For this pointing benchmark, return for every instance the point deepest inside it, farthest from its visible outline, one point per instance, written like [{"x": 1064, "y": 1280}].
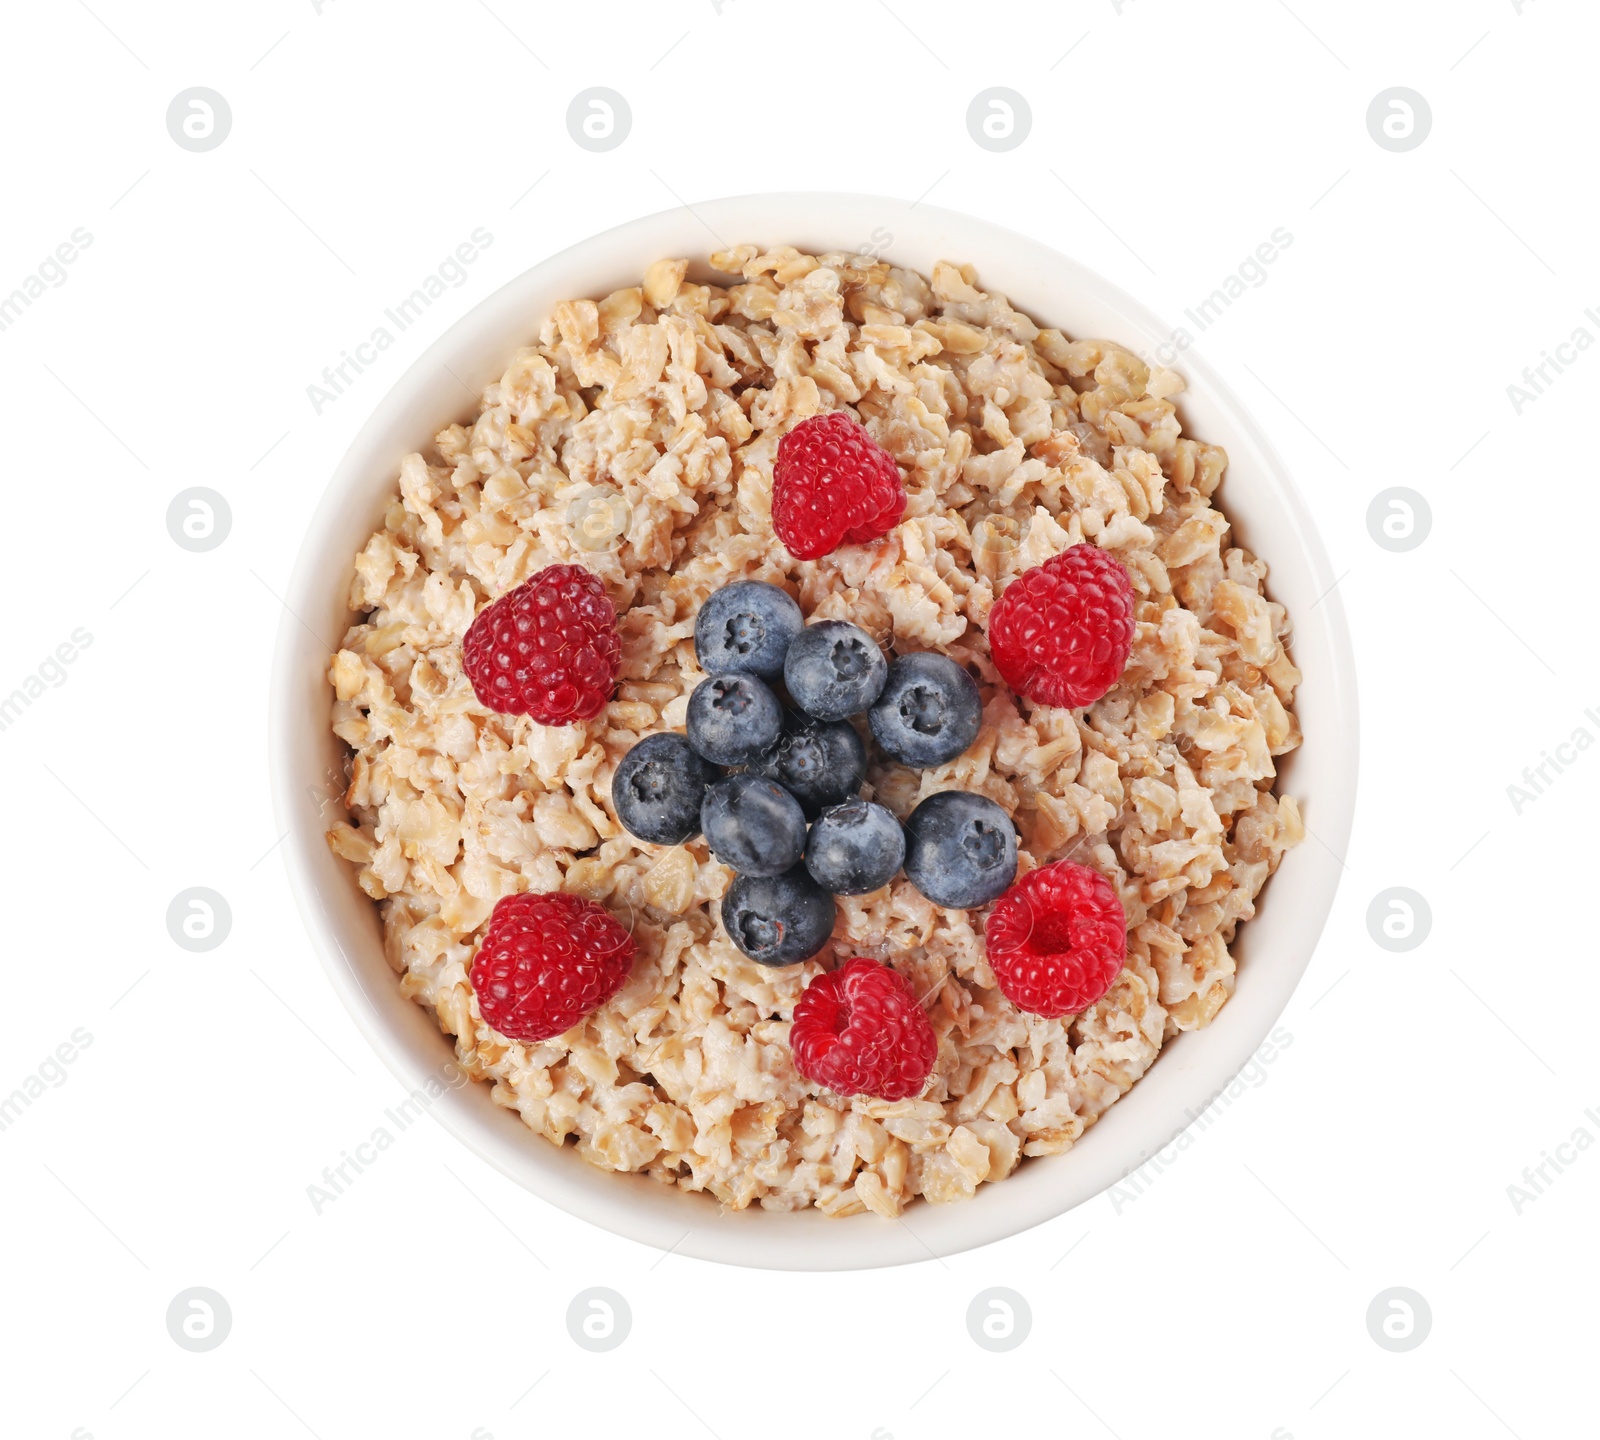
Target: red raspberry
[
  {"x": 833, "y": 485},
  {"x": 548, "y": 649},
  {"x": 859, "y": 1030},
  {"x": 1057, "y": 939},
  {"x": 1061, "y": 632},
  {"x": 546, "y": 962}
]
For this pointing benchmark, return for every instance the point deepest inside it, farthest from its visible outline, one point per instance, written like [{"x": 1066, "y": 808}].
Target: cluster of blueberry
[{"x": 807, "y": 764}]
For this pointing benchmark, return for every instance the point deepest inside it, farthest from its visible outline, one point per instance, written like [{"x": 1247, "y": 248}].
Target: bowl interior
[{"x": 1273, "y": 949}]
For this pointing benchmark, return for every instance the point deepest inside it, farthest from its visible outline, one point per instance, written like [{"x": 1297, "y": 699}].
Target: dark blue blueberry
[
  {"x": 733, "y": 718},
  {"x": 746, "y": 626},
  {"x": 778, "y": 920},
  {"x": 819, "y": 762},
  {"x": 929, "y": 711},
  {"x": 658, "y": 788},
  {"x": 753, "y": 824},
  {"x": 834, "y": 669},
  {"x": 855, "y": 848},
  {"x": 961, "y": 849}
]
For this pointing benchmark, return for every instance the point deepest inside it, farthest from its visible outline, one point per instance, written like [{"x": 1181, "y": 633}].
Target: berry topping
[
  {"x": 819, "y": 762},
  {"x": 961, "y": 849},
  {"x": 546, "y": 962},
  {"x": 929, "y": 711},
  {"x": 833, "y": 485},
  {"x": 746, "y": 626},
  {"x": 855, "y": 848},
  {"x": 754, "y": 825},
  {"x": 859, "y": 1030},
  {"x": 777, "y": 920},
  {"x": 658, "y": 788},
  {"x": 1061, "y": 632},
  {"x": 733, "y": 718},
  {"x": 834, "y": 669},
  {"x": 548, "y": 649},
  {"x": 1057, "y": 939}
]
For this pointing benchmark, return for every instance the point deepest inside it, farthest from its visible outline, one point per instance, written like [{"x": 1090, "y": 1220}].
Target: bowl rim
[{"x": 711, "y": 1233}]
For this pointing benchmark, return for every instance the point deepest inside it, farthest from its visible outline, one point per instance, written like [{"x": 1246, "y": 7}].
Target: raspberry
[
  {"x": 546, "y": 962},
  {"x": 1057, "y": 939},
  {"x": 833, "y": 485},
  {"x": 859, "y": 1030},
  {"x": 1061, "y": 632},
  {"x": 548, "y": 649}
]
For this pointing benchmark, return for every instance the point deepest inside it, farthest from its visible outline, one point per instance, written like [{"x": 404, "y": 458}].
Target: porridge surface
[{"x": 637, "y": 438}]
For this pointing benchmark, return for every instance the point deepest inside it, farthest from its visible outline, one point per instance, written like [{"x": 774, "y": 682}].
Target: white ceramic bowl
[{"x": 1273, "y": 950}]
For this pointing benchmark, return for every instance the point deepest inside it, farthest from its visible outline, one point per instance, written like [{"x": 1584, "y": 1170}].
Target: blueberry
[
  {"x": 778, "y": 920},
  {"x": 929, "y": 711},
  {"x": 746, "y": 626},
  {"x": 961, "y": 849},
  {"x": 658, "y": 788},
  {"x": 733, "y": 718},
  {"x": 753, "y": 824},
  {"x": 834, "y": 669},
  {"x": 819, "y": 762},
  {"x": 855, "y": 848}
]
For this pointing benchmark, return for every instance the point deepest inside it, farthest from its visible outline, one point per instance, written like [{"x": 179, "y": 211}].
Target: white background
[{"x": 1168, "y": 141}]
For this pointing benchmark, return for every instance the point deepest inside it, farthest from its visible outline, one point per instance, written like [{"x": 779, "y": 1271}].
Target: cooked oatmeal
[{"x": 637, "y": 438}]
